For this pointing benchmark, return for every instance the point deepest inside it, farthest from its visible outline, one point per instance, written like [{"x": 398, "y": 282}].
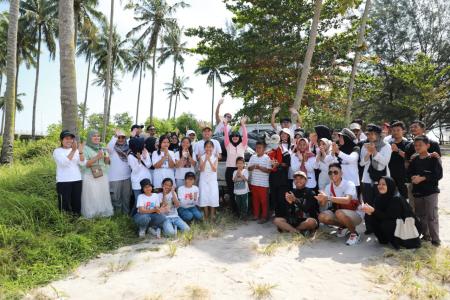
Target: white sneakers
[
  {"x": 342, "y": 232},
  {"x": 141, "y": 232},
  {"x": 155, "y": 232},
  {"x": 353, "y": 239}
]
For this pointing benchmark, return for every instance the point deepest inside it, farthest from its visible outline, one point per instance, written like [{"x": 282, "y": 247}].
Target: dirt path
[{"x": 227, "y": 267}]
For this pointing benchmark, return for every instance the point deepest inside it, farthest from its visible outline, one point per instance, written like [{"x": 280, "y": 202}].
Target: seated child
[
  {"x": 188, "y": 197},
  {"x": 173, "y": 221}
]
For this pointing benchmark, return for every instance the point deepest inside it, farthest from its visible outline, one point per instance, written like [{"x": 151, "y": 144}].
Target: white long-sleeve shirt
[
  {"x": 67, "y": 170},
  {"x": 118, "y": 169},
  {"x": 350, "y": 166},
  {"x": 309, "y": 165},
  {"x": 139, "y": 171},
  {"x": 383, "y": 157}
]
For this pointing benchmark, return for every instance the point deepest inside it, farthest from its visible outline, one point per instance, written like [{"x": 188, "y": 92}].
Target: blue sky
[{"x": 200, "y": 13}]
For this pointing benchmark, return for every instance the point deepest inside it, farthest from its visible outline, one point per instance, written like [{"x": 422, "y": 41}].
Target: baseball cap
[
  {"x": 120, "y": 133},
  {"x": 285, "y": 120},
  {"x": 374, "y": 128},
  {"x": 300, "y": 173},
  {"x": 206, "y": 128},
  {"x": 285, "y": 130},
  {"x": 355, "y": 126},
  {"x": 136, "y": 126},
  {"x": 65, "y": 133},
  {"x": 189, "y": 132}
]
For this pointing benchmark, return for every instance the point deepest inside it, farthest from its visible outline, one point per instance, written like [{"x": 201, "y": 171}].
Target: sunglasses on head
[{"x": 335, "y": 172}]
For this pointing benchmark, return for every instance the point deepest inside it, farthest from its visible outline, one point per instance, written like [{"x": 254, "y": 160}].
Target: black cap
[
  {"x": 286, "y": 120},
  {"x": 374, "y": 128},
  {"x": 65, "y": 133},
  {"x": 136, "y": 126}
]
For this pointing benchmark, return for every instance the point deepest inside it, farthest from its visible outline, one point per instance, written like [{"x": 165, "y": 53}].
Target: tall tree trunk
[
  {"x": 86, "y": 90},
  {"x": 301, "y": 83},
  {"x": 10, "y": 100},
  {"x": 3, "y": 108},
  {"x": 67, "y": 72},
  {"x": 153, "y": 82},
  {"x": 108, "y": 72},
  {"x": 175, "y": 106},
  {"x": 139, "y": 94},
  {"x": 212, "y": 103},
  {"x": 173, "y": 83},
  {"x": 110, "y": 95},
  {"x": 359, "y": 48},
  {"x": 36, "y": 84}
]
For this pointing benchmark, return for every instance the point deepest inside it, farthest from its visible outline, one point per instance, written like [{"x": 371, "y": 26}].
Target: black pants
[
  {"x": 368, "y": 192},
  {"x": 383, "y": 230},
  {"x": 69, "y": 196},
  {"x": 400, "y": 182},
  {"x": 278, "y": 200},
  {"x": 230, "y": 187}
]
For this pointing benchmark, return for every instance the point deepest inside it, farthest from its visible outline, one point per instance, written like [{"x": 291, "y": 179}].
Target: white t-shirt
[
  {"x": 382, "y": 158},
  {"x": 172, "y": 209},
  {"x": 219, "y": 128},
  {"x": 241, "y": 186},
  {"x": 118, "y": 169},
  {"x": 159, "y": 174},
  {"x": 187, "y": 167},
  {"x": 188, "y": 197},
  {"x": 139, "y": 170},
  {"x": 344, "y": 189},
  {"x": 199, "y": 149},
  {"x": 67, "y": 170},
  {"x": 260, "y": 178},
  {"x": 149, "y": 202},
  {"x": 309, "y": 165}
]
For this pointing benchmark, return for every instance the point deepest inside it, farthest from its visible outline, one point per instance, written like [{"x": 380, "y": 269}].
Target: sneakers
[
  {"x": 141, "y": 232},
  {"x": 342, "y": 232},
  {"x": 353, "y": 239},
  {"x": 155, "y": 232}
]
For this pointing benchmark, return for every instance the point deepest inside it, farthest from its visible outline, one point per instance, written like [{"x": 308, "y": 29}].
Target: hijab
[
  {"x": 307, "y": 154},
  {"x": 382, "y": 201},
  {"x": 349, "y": 145},
  {"x": 122, "y": 150},
  {"x": 327, "y": 143},
  {"x": 90, "y": 143},
  {"x": 235, "y": 133}
]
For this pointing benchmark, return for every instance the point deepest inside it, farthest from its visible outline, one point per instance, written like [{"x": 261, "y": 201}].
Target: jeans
[
  {"x": 149, "y": 220},
  {"x": 242, "y": 204},
  {"x": 189, "y": 214},
  {"x": 171, "y": 224}
]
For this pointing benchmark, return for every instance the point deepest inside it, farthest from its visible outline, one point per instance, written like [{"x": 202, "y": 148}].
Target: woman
[
  {"x": 140, "y": 162},
  {"x": 347, "y": 154},
  {"x": 68, "y": 158},
  {"x": 387, "y": 208},
  {"x": 235, "y": 148},
  {"x": 164, "y": 162},
  {"x": 323, "y": 161},
  {"x": 95, "y": 198},
  {"x": 304, "y": 160},
  {"x": 174, "y": 142},
  {"x": 185, "y": 161},
  {"x": 119, "y": 173}
]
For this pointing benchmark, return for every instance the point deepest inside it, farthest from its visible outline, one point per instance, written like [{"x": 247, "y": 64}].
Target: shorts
[{"x": 353, "y": 215}]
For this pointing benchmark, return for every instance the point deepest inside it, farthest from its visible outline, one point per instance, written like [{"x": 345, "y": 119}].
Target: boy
[
  {"x": 188, "y": 197},
  {"x": 260, "y": 167},
  {"x": 425, "y": 171},
  {"x": 240, "y": 179}
]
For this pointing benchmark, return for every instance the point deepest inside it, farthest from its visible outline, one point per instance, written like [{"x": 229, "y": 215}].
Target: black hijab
[
  {"x": 136, "y": 145},
  {"x": 349, "y": 145},
  {"x": 382, "y": 201},
  {"x": 235, "y": 133}
]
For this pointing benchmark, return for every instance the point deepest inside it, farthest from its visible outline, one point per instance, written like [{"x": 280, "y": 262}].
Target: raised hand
[
  {"x": 276, "y": 110},
  {"x": 244, "y": 120},
  {"x": 221, "y": 101},
  {"x": 74, "y": 145}
]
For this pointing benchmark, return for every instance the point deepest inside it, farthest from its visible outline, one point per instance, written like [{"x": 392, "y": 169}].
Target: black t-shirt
[
  {"x": 397, "y": 162},
  {"x": 430, "y": 168},
  {"x": 305, "y": 206},
  {"x": 281, "y": 176},
  {"x": 434, "y": 147}
]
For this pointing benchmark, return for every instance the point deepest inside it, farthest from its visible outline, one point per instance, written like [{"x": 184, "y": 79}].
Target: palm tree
[
  {"x": 19, "y": 102},
  {"x": 173, "y": 47},
  {"x": 301, "y": 82},
  {"x": 213, "y": 73},
  {"x": 68, "y": 79},
  {"x": 10, "y": 96},
  {"x": 3, "y": 44},
  {"x": 41, "y": 16},
  {"x": 26, "y": 48},
  {"x": 107, "y": 104},
  {"x": 155, "y": 17},
  {"x": 87, "y": 45},
  {"x": 178, "y": 89},
  {"x": 86, "y": 15},
  {"x": 138, "y": 64}
]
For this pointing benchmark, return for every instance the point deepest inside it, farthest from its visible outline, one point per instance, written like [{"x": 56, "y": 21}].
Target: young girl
[
  {"x": 164, "y": 162},
  {"x": 240, "y": 179},
  {"x": 188, "y": 195},
  {"x": 149, "y": 210},
  {"x": 185, "y": 161},
  {"x": 139, "y": 162},
  {"x": 209, "y": 187},
  {"x": 304, "y": 160},
  {"x": 173, "y": 221},
  {"x": 323, "y": 159}
]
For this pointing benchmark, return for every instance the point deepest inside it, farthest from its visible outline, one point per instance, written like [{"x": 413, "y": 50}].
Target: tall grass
[{"x": 39, "y": 244}]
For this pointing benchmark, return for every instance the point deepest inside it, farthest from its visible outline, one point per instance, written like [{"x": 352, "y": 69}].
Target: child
[
  {"x": 185, "y": 161},
  {"x": 173, "y": 221},
  {"x": 149, "y": 210},
  {"x": 209, "y": 187},
  {"x": 240, "y": 179},
  {"x": 425, "y": 171},
  {"x": 164, "y": 162},
  {"x": 260, "y": 167},
  {"x": 188, "y": 196}
]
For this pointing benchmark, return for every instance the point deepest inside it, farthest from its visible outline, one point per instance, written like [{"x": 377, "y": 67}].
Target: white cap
[
  {"x": 354, "y": 126},
  {"x": 286, "y": 130},
  {"x": 189, "y": 132}
]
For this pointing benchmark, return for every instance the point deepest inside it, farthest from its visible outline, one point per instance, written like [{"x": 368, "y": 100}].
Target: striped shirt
[{"x": 258, "y": 177}]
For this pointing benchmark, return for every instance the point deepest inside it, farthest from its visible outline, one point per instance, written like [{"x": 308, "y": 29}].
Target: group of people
[{"x": 299, "y": 180}]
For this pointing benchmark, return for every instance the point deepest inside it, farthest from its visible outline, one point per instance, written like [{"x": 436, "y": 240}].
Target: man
[
  {"x": 343, "y": 208},
  {"x": 286, "y": 122},
  {"x": 219, "y": 122},
  {"x": 356, "y": 129},
  {"x": 301, "y": 211},
  {"x": 136, "y": 130},
  {"x": 200, "y": 145},
  {"x": 151, "y": 130},
  {"x": 151, "y": 140},
  {"x": 397, "y": 164},
  {"x": 360, "y": 122}
]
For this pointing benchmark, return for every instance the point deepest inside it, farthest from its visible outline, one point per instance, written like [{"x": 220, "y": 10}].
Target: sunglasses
[
  {"x": 333, "y": 173},
  {"x": 121, "y": 137}
]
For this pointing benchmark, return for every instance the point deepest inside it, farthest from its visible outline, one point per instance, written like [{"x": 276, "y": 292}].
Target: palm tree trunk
[
  {"x": 301, "y": 83},
  {"x": 110, "y": 95},
  {"x": 139, "y": 94},
  {"x": 108, "y": 73},
  {"x": 153, "y": 82},
  {"x": 36, "y": 84},
  {"x": 10, "y": 100},
  {"x": 68, "y": 78},
  {"x": 359, "y": 46},
  {"x": 86, "y": 91},
  {"x": 175, "y": 106},
  {"x": 3, "y": 110},
  {"x": 212, "y": 103},
  {"x": 173, "y": 84}
]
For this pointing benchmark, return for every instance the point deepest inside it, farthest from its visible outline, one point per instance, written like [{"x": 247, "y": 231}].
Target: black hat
[
  {"x": 323, "y": 132},
  {"x": 65, "y": 133},
  {"x": 136, "y": 126},
  {"x": 374, "y": 128},
  {"x": 348, "y": 133},
  {"x": 144, "y": 182},
  {"x": 286, "y": 119}
]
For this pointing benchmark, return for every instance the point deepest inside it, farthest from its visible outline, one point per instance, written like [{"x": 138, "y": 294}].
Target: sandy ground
[{"x": 226, "y": 267}]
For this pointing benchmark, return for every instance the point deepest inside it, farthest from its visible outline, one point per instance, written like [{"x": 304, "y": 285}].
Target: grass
[
  {"x": 262, "y": 290},
  {"x": 172, "y": 249},
  {"x": 194, "y": 292},
  {"x": 283, "y": 240},
  {"x": 116, "y": 267},
  {"x": 38, "y": 244},
  {"x": 417, "y": 274}
]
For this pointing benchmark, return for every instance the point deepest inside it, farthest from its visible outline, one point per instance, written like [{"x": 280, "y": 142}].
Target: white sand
[{"x": 225, "y": 267}]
